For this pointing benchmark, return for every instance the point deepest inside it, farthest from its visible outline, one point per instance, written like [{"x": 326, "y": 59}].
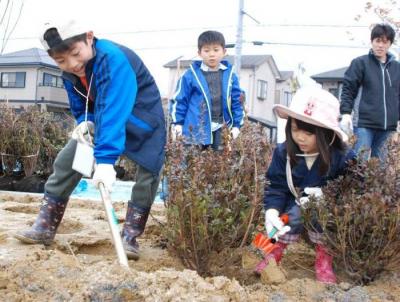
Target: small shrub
[
  {"x": 31, "y": 138},
  {"x": 20, "y": 139},
  {"x": 360, "y": 216},
  {"x": 55, "y": 130},
  {"x": 214, "y": 197}
]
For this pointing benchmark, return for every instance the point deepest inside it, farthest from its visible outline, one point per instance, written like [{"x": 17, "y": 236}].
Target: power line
[
  {"x": 314, "y": 25},
  {"x": 260, "y": 43},
  {"x": 256, "y": 43},
  {"x": 150, "y": 31}
]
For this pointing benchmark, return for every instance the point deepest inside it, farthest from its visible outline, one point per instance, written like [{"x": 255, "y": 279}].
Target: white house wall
[
  {"x": 34, "y": 91},
  {"x": 263, "y": 108},
  {"x": 49, "y": 93},
  {"x": 24, "y": 94}
]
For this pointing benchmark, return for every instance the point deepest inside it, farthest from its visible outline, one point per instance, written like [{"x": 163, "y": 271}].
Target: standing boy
[
  {"x": 207, "y": 96},
  {"x": 371, "y": 89},
  {"x": 111, "y": 91}
]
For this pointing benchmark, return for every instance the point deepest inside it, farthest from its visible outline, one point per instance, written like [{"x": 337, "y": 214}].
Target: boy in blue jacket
[
  {"x": 112, "y": 93},
  {"x": 207, "y": 96}
]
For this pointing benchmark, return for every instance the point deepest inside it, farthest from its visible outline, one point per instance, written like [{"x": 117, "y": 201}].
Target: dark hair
[
  {"x": 383, "y": 30},
  {"x": 324, "y": 138},
  {"x": 57, "y": 45},
  {"x": 210, "y": 37}
]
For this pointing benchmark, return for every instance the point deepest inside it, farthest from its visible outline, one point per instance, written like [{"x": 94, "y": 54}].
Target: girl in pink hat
[{"x": 313, "y": 153}]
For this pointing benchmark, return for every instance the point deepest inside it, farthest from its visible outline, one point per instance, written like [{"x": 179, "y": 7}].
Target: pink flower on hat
[{"x": 315, "y": 106}]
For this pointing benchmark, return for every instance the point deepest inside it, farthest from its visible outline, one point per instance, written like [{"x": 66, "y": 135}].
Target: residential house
[
  {"x": 31, "y": 77},
  {"x": 262, "y": 82},
  {"x": 331, "y": 80}
]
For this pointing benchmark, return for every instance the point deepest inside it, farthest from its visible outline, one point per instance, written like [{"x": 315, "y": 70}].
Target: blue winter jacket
[
  {"x": 191, "y": 104},
  {"x": 277, "y": 193},
  {"x": 127, "y": 110}
]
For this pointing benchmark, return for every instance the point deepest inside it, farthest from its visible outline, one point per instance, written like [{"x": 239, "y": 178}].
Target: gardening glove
[
  {"x": 105, "y": 174},
  {"x": 272, "y": 221},
  {"x": 235, "y": 131},
  {"x": 346, "y": 124},
  {"x": 176, "y": 131},
  {"x": 84, "y": 133},
  {"x": 314, "y": 192}
]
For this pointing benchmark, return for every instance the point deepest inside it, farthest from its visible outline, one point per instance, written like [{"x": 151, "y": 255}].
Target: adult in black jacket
[{"x": 371, "y": 90}]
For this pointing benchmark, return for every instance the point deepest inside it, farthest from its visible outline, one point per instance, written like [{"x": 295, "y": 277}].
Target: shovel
[{"x": 113, "y": 223}]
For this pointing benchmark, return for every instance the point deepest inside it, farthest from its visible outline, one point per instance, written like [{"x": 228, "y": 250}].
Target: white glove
[
  {"x": 346, "y": 124},
  {"x": 235, "y": 131},
  {"x": 398, "y": 127},
  {"x": 272, "y": 221},
  {"x": 176, "y": 131},
  {"x": 314, "y": 192},
  {"x": 84, "y": 132},
  {"x": 105, "y": 174}
]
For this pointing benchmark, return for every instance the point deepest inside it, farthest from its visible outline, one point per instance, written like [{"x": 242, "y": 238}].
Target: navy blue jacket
[
  {"x": 127, "y": 110},
  {"x": 191, "y": 104},
  {"x": 277, "y": 193},
  {"x": 372, "y": 90}
]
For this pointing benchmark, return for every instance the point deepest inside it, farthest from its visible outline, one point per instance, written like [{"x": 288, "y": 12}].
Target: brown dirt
[{"x": 81, "y": 266}]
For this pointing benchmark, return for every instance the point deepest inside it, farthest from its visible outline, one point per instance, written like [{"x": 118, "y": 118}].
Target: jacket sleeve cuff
[{"x": 103, "y": 160}]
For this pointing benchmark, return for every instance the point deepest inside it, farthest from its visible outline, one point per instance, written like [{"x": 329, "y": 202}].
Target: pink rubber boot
[
  {"x": 276, "y": 254},
  {"x": 323, "y": 265}
]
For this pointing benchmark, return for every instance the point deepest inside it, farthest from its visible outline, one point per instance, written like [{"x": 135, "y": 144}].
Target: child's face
[
  {"x": 380, "y": 47},
  {"x": 75, "y": 60},
  {"x": 306, "y": 141},
  {"x": 212, "y": 55}
]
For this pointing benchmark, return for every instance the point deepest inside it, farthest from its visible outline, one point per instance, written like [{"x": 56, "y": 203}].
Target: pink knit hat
[{"x": 315, "y": 106}]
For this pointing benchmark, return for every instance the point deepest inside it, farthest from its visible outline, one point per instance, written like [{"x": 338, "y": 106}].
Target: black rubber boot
[
  {"x": 135, "y": 223},
  {"x": 45, "y": 227}
]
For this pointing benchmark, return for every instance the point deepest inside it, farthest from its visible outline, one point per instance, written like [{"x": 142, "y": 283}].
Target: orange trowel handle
[{"x": 265, "y": 243}]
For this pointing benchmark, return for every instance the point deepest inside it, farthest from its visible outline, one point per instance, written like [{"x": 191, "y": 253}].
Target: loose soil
[{"x": 81, "y": 265}]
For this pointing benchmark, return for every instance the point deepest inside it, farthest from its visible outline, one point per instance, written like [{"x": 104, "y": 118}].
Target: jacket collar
[
  {"x": 198, "y": 63},
  {"x": 390, "y": 56}
]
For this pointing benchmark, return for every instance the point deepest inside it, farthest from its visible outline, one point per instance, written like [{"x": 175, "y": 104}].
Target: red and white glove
[{"x": 105, "y": 174}]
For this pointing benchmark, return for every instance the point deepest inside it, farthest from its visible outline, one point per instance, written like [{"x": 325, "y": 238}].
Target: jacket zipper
[
  {"x": 228, "y": 100},
  {"x": 384, "y": 95}
]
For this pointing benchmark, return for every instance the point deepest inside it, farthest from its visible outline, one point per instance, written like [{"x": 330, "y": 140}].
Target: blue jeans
[{"x": 372, "y": 140}]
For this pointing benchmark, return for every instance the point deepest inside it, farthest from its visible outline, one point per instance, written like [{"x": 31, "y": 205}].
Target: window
[
  {"x": 262, "y": 87},
  {"x": 287, "y": 98},
  {"x": 334, "y": 91},
  {"x": 49, "y": 80},
  {"x": 52, "y": 80},
  {"x": 13, "y": 79}
]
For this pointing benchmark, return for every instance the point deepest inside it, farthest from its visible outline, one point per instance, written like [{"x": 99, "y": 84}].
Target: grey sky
[{"x": 160, "y": 31}]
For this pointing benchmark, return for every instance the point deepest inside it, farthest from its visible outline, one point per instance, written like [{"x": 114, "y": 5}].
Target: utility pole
[{"x": 239, "y": 39}]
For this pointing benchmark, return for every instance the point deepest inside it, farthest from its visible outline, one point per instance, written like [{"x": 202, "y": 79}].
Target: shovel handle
[{"x": 113, "y": 223}]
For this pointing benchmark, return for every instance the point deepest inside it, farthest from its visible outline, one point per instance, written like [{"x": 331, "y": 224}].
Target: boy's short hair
[
  {"x": 62, "y": 45},
  {"x": 61, "y": 37},
  {"x": 210, "y": 37},
  {"x": 383, "y": 30}
]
